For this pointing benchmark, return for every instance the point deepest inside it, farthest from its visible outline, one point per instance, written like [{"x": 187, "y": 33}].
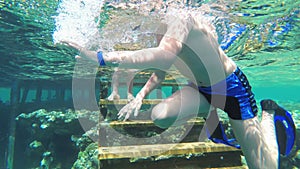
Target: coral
[
  {"x": 54, "y": 138},
  {"x": 87, "y": 158}
]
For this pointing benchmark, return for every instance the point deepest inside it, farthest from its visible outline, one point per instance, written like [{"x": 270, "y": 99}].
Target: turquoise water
[{"x": 268, "y": 50}]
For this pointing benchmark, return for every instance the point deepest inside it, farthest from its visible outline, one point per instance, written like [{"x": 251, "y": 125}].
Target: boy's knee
[
  {"x": 163, "y": 123},
  {"x": 160, "y": 116}
]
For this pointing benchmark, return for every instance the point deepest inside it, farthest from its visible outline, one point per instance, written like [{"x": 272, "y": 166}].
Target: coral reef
[
  {"x": 87, "y": 158},
  {"x": 56, "y": 139}
]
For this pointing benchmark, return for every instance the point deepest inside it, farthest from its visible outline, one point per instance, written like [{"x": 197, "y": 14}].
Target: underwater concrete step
[
  {"x": 139, "y": 123},
  {"x": 111, "y": 108},
  {"x": 190, "y": 132},
  {"x": 169, "y": 156},
  {"x": 162, "y": 150},
  {"x": 234, "y": 167},
  {"x": 125, "y": 101},
  {"x": 141, "y": 82}
]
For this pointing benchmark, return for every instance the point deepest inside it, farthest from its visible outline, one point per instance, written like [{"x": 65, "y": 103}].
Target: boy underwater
[{"x": 215, "y": 81}]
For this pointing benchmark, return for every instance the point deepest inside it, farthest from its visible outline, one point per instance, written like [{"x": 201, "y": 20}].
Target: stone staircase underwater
[{"x": 116, "y": 151}]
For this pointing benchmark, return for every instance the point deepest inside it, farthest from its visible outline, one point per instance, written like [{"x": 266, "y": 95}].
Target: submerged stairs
[
  {"x": 139, "y": 144},
  {"x": 186, "y": 154}
]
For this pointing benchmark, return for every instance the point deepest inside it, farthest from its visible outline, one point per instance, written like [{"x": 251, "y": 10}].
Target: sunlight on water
[
  {"x": 252, "y": 45},
  {"x": 77, "y": 21},
  {"x": 260, "y": 11}
]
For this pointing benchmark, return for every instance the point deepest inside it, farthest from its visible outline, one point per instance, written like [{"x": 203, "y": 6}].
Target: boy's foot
[{"x": 113, "y": 96}]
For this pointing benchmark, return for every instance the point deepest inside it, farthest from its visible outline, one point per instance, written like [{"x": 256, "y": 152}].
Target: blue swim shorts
[{"x": 233, "y": 95}]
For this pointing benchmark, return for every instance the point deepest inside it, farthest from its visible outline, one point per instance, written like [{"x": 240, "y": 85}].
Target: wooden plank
[
  {"x": 125, "y": 101},
  {"x": 223, "y": 160},
  {"x": 143, "y": 81},
  {"x": 14, "y": 102},
  {"x": 162, "y": 149},
  {"x": 147, "y": 123},
  {"x": 235, "y": 167}
]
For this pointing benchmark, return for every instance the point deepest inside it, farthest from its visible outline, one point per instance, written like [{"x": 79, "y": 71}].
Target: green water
[
  {"x": 27, "y": 50},
  {"x": 268, "y": 51}
]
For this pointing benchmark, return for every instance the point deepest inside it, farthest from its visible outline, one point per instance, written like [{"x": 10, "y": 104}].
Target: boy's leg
[
  {"x": 115, "y": 85},
  {"x": 130, "y": 76},
  {"x": 260, "y": 151},
  {"x": 183, "y": 105},
  {"x": 284, "y": 125},
  {"x": 269, "y": 131}
]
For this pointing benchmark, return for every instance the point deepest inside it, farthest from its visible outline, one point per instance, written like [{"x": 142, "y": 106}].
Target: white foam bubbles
[{"x": 77, "y": 21}]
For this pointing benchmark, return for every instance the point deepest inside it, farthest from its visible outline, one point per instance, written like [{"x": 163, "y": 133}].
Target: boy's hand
[
  {"x": 84, "y": 53},
  {"x": 133, "y": 106},
  {"x": 72, "y": 45}
]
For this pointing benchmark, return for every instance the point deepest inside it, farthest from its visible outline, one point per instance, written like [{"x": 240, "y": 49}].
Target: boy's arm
[
  {"x": 157, "y": 57},
  {"x": 156, "y": 78},
  {"x": 134, "y": 106},
  {"x": 161, "y": 57}
]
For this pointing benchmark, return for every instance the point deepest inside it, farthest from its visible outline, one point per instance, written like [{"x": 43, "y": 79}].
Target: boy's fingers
[
  {"x": 71, "y": 44},
  {"x": 77, "y": 57}
]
